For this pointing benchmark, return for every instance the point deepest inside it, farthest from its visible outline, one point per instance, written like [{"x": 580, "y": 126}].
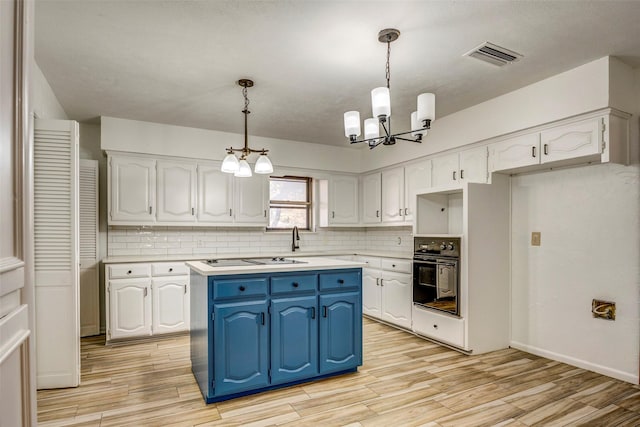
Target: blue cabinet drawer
[
  {"x": 297, "y": 283},
  {"x": 341, "y": 279},
  {"x": 240, "y": 287}
]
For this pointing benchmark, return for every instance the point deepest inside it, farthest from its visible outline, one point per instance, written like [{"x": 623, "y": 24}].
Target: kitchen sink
[
  {"x": 274, "y": 261},
  {"x": 252, "y": 261}
]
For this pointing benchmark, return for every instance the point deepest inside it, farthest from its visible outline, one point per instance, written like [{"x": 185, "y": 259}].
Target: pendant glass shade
[
  {"x": 371, "y": 128},
  {"x": 263, "y": 165},
  {"x": 230, "y": 164},
  {"x": 244, "y": 170},
  {"x": 426, "y": 107},
  {"x": 351, "y": 123},
  {"x": 381, "y": 102},
  {"x": 416, "y": 125}
]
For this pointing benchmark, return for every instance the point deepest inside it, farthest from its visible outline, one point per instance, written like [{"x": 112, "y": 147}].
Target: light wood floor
[{"x": 405, "y": 381}]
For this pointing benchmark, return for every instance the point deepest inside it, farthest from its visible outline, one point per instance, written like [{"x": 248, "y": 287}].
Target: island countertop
[{"x": 302, "y": 264}]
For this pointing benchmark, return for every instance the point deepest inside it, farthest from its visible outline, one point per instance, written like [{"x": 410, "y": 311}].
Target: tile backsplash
[{"x": 127, "y": 241}]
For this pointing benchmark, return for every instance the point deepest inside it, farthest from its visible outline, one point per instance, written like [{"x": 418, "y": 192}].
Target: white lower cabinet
[
  {"x": 146, "y": 299},
  {"x": 441, "y": 327},
  {"x": 387, "y": 290}
]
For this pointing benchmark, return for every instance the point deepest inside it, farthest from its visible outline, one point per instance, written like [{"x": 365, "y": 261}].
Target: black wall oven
[{"x": 436, "y": 271}]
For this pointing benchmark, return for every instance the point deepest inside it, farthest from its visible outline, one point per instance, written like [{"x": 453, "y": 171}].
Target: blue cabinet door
[
  {"x": 241, "y": 346},
  {"x": 294, "y": 338},
  {"x": 340, "y": 331}
]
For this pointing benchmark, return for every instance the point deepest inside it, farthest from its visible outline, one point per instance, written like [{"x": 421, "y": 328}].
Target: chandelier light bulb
[
  {"x": 244, "y": 171},
  {"x": 426, "y": 107},
  {"x": 263, "y": 165},
  {"x": 371, "y": 128},
  {"x": 230, "y": 164},
  {"x": 352, "y": 124},
  {"x": 381, "y": 102},
  {"x": 416, "y": 126}
]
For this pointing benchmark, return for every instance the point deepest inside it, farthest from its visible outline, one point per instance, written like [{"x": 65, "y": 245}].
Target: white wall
[
  {"x": 590, "y": 224},
  {"x": 45, "y": 102},
  {"x": 153, "y": 138}
]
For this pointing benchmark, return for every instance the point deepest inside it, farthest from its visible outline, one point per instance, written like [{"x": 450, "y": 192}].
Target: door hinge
[
  {"x": 213, "y": 316},
  {"x": 604, "y": 128},
  {"x": 213, "y": 384}
]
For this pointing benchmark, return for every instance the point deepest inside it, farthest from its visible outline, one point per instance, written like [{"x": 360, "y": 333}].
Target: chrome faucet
[{"x": 294, "y": 238}]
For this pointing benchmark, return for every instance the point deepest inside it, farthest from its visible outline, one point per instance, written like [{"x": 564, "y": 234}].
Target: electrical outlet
[
  {"x": 603, "y": 309},
  {"x": 535, "y": 238}
]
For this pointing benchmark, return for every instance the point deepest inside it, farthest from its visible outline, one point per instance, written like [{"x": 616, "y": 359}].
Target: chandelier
[
  {"x": 381, "y": 106},
  {"x": 240, "y": 167}
]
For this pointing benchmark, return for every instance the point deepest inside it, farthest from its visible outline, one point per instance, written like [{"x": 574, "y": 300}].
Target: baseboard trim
[{"x": 579, "y": 363}]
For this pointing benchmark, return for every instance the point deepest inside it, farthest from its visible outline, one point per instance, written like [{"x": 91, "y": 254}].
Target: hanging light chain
[
  {"x": 246, "y": 100},
  {"x": 388, "y": 67}
]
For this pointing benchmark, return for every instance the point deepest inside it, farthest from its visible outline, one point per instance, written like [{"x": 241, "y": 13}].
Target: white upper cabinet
[
  {"x": 371, "y": 198},
  {"x": 343, "y": 200},
  {"x": 570, "y": 141},
  {"x": 452, "y": 169},
  {"x": 215, "y": 195},
  {"x": 176, "y": 191},
  {"x": 515, "y": 152},
  {"x": 416, "y": 176},
  {"x": 132, "y": 189},
  {"x": 251, "y": 200},
  {"x": 393, "y": 205}
]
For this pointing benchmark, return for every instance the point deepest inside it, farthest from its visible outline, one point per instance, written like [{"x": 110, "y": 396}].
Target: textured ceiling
[{"x": 177, "y": 62}]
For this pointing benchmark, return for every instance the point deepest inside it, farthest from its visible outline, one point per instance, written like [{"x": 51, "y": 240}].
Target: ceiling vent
[{"x": 493, "y": 54}]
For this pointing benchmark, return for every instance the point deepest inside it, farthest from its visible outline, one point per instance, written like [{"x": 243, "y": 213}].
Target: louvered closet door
[
  {"x": 56, "y": 253},
  {"x": 89, "y": 274}
]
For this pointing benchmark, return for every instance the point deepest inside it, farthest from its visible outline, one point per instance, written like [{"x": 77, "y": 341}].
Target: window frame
[{"x": 307, "y": 205}]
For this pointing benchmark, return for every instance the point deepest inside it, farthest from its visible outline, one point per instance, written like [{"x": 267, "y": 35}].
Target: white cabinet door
[
  {"x": 343, "y": 200},
  {"x": 215, "y": 195},
  {"x": 133, "y": 189},
  {"x": 416, "y": 175},
  {"x": 516, "y": 152},
  {"x": 371, "y": 292},
  {"x": 393, "y": 195},
  {"x": 129, "y": 308},
  {"x": 396, "y": 298},
  {"x": 176, "y": 191},
  {"x": 473, "y": 165},
  {"x": 371, "y": 193},
  {"x": 170, "y": 304},
  {"x": 571, "y": 141},
  {"x": 445, "y": 170},
  {"x": 251, "y": 198}
]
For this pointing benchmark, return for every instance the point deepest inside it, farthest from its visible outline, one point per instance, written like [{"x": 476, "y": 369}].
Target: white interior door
[
  {"x": 56, "y": 218},
  {"x": 89, "y": 263}
]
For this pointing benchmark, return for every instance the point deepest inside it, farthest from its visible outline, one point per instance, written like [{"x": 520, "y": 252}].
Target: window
[{"x": 289, "y": 203}]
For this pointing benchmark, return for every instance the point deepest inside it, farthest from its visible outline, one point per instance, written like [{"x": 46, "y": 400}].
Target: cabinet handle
[
  {"x": 170, "y": 269},
  {"x": 242, "y": 288},
  {"x": 533, "y": 151},
  {"x": 341, "y": 281},
  {"x": 546, "y": 149},
  {"x": 193, "y": 211},
  {"x": 295, "y": 284},
  {"x": 377, "y": 281},
  {"x": 150, "y": 210},
  {"x": 393, "y": 265},
  {"x": 377, "y": 214},
  {"x": 435, "y": 326},
  {"x": 454, "y": 175},
  {"x": 461, "y": 173},
  {"x": 265, "y": 213},
  {"x": 313, "y": 312},
  {"x": 185, "y": 289},
  {"x": 400, "y": 212},
  {"x": 146, "y": 291},
  {"x": 406, "y": 212},
  {"x": 129, "y": 272},
  {"x": 333, "y": 214},
  {"x": 381, "y": 282},
  {"x": 230, "y": 212},
  {"x": 324, "y": 311},
  {"x": 262, "y": 317}
]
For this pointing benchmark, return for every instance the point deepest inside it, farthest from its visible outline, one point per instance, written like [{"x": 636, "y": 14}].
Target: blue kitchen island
[{"x": 260, "y": 327}]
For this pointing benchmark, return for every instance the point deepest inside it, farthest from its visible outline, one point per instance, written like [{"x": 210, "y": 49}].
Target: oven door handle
[{"x": 437, "y": 263}]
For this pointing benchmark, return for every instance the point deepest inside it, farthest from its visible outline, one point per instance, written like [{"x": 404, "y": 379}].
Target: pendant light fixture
[
  {"x": 240, "y": 167},
  {"x": 381, "y": 107}
]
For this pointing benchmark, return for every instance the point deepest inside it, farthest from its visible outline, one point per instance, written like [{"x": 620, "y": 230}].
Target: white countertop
[
  {"x": 197, "y": 257},
  {"x": 306, "y": 263}
]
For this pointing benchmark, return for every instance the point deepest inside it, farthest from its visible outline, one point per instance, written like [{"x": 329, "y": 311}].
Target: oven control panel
[{"x": 437, "y": 246}]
